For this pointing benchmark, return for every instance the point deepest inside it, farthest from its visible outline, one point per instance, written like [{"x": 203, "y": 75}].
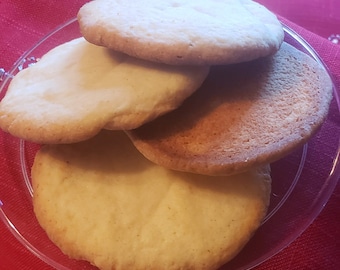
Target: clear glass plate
[{"x": 298, "y": 194}]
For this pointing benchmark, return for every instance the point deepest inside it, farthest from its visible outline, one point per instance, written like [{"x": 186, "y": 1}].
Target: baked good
[
  {"x": 102, "y": 201},
  {"x": 244, "y": 115},
  {"x": 204, "y": 32},
  {"x": 77, "y": 89}
]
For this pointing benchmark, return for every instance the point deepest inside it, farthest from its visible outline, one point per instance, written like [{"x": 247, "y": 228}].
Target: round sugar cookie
[
  {"x": 183, "y": 32},
  {"x": 102, "y": 201},
  {"x": 244, "y": 115},
  {"x": 78, "y": 88}
]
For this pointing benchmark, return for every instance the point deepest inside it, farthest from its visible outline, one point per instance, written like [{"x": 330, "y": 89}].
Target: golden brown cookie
[
  {"x": 102, "y": 201},
  {"x": 183, "y": 32},
  {"x": 77, "y": 89},
  {"x": 243, "y": 116}
]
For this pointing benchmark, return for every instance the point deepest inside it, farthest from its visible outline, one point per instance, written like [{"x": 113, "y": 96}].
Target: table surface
[{"x": 23, "y": 23}]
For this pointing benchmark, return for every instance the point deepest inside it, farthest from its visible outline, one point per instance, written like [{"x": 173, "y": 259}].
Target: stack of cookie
[{"x": 159, "y": 125}]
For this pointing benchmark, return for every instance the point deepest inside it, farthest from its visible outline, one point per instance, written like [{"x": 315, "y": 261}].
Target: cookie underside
[{"x": 243, "y": 116}]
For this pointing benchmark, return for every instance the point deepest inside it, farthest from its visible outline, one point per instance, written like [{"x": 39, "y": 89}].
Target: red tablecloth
[{"x": 23, "y": 23}]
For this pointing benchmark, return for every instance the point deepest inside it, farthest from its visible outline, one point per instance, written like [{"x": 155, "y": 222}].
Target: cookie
[
  {"x": 243, "y": 116},
  {"x": 183, "y": 32},
  {"x": 102, "y": 201},
  {"x": 77, "y": 89}
]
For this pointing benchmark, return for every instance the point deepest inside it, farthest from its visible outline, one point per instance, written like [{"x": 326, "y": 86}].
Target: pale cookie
[
  {"x": 102, "y": 201},
  {"x": 243, "y": 116},
  {"x": 77, "y": 89},
  {"x": 183, "y": 32}
]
